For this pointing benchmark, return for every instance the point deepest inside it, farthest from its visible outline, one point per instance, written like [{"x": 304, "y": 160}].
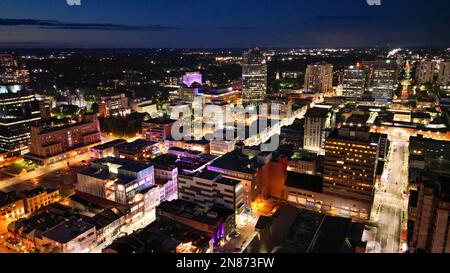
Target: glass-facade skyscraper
[{"x": 254, "y": 76}]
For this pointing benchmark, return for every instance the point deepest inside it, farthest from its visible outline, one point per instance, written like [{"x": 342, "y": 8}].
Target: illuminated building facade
[
  {"x": 227, "y": 95},
  {"x": 432, "y": 221},
  {"x": 425, "y": 71},
  {"x": 158, "y": 129},
  {"x": 106, "y": 149},
  {"x": 11, "y": 208},
  {"x": 217, "y": 222},
  {"x": 209, "y": 189},
  {"x": 71, "y": 236},
  {"x": 247, "y": 167},
  {"x": 113, "y": 105},
  {"x": 192, "y": 77},
  {"x": 319, "y": 78},
  {"x": 444, "y": 74},
  {"x": 383, "y": 78},
  {"x": 116, "y": 179},
  {"x": 351, "y": 160},
  {"x": 56, "y": 143},
  {"x": 19, "y": 109},
  {"x": 39, "y": 197},
  {"x": 139, "y": 149},
  {"x": 12, "y": 70},
  {"x": 353, "y": 82},
  {"x": 317, "y": 120},
  {"x": 254, "y": 75}
]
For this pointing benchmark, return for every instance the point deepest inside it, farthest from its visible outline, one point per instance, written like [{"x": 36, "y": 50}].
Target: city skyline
[
  {"x": 214, "y": 24},
  {"x": 250, "y": 127}
]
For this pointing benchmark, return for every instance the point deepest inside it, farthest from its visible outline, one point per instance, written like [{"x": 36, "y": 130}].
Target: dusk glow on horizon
[{"x": 214, "y": 23}]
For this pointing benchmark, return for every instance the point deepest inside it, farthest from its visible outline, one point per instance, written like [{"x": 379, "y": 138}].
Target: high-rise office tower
[
  {"x": 19, "y": 109},
  {"x": 429, "y": 210},
  {"x": 350, "y": 163},
  {"x": 444, "y": 74},
  {"x": 425, "y": 71},
  {"x": 319, "y": 78},
  {"x": 383, "y": 78},
  {"x": 317, "y": 120},
  {"x": 12, "y": 70},
  {"x": 254, "y": 75},
  {"x": 432, "y": 224},
  {"x": 353, "y": 82}
]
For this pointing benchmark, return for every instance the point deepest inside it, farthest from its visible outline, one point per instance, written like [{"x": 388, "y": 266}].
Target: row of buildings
[
  {"x": 430, "y": 71},
  {"x": 14, "y": 206}
]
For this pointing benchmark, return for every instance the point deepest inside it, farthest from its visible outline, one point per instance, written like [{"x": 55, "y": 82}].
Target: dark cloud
[
  {"x": 54, "y": 24},
  {"x": 325, "y": 18},
  {"x": 235, "y": 28}
]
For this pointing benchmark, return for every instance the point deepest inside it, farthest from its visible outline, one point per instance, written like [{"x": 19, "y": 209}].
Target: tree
[{"x": 94, "y": 108}]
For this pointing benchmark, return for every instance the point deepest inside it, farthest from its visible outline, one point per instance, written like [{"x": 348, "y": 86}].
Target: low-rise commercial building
[
  {"x": 307, "y": 191},
  {"x": 158, "y": 129},
  {"x": 56, "y": 143},
  {"x": 39, "y": 197},
  {"x": 106, "y": 149},
  {"x": 216, "y": 222},
  {"x": 11, "y": 208},
  {"x": 116, "y": 179},
  {"x": 142, "y": 150},
  {"x": 113, "y": 105},
  {"x": 208, "y": 189},
  {"x": 71, "y": 236}
]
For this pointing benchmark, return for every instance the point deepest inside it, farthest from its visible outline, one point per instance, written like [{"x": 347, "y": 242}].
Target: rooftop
[
  {"x": 294, "y": 230},
  {"x": 105, "y": 218},
  {"x": 125, "y": 164},
  {"x": 7, "y": 198},
  {"x": 317, "y": 112},
  {"x": 68, "y": 230},
  {"x": 189, "y": 210},
  {"x": 236, "y": 161},
  {"x": 110, "y": 144},
  {"x": 208, "y": 175},
  {"x": 228, "y": 181},
  {"x": 135, "y": 146},
  {"x": 37, "y": 191},
  {"x": 160, "y": 121}
]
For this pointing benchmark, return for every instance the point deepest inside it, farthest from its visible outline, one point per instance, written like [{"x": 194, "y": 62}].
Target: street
[
  {"x": 246, "y": 227},
  {"x": 14, "y": 182},
  {"x": 391, "y": 201}
]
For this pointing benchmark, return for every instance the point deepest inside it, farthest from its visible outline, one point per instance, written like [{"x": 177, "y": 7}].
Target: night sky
[{"x": 226, "y": 23}]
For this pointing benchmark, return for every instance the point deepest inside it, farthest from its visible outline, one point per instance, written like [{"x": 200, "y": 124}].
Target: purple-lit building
[
  {"x": 217, "y": 222},
  {"x": 192, "y": 77}
]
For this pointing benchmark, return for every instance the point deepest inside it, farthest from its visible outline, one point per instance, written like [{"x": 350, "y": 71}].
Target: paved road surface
[{"x": 391, "y": 201}]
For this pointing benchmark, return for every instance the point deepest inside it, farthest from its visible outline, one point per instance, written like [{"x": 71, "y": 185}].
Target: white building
[
  {"x": 72, "y": 236},
  {"x": 209, "y": 189},
  {"x": 221, "y": 147},
  {"x": 316, "y": 121},
  {"x": 425, "y": 71},
  {"x": 319, "y": 78},
  {"x": 444, "y": 74}
]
